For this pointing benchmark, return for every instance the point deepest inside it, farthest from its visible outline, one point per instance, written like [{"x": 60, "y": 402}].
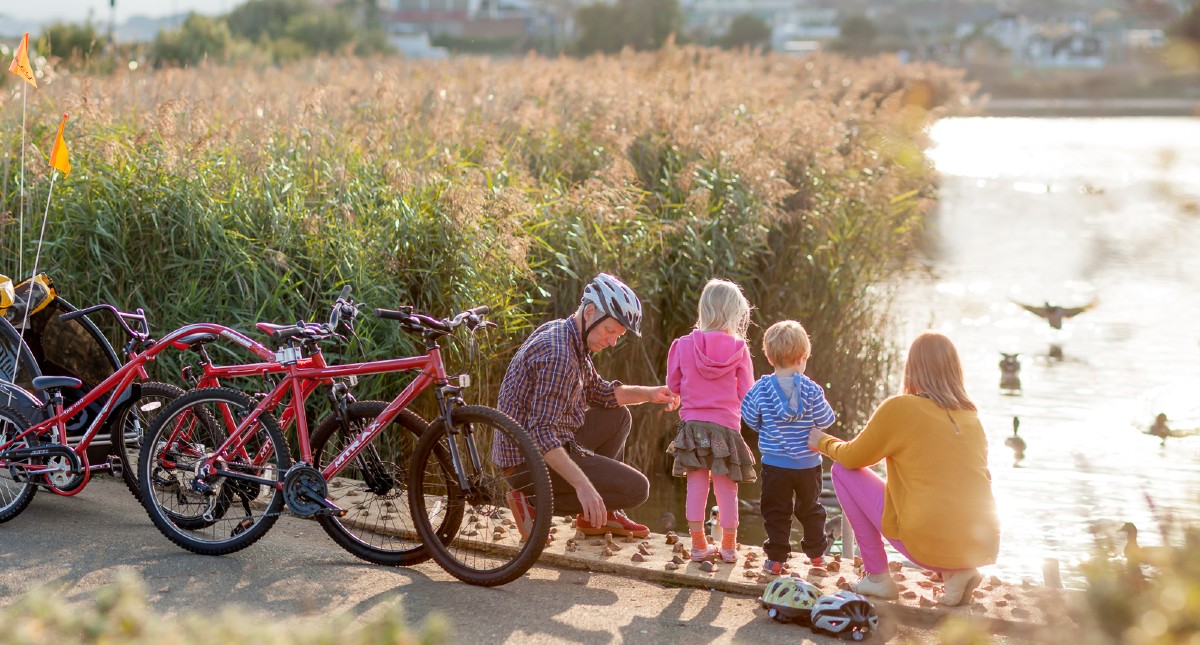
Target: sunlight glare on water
[{"x": 1072, "y": 212}]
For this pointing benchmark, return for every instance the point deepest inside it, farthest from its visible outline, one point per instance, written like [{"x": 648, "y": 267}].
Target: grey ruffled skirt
[{"x": 712, "y": 446}]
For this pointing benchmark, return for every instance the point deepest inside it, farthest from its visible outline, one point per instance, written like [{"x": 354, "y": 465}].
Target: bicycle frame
[
  {"x": 118, "y": 382},
  {"x": 301, "y": 379}
]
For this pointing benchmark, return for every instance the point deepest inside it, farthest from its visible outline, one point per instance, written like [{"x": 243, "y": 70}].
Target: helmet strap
[{"x": 588, "y": 329}]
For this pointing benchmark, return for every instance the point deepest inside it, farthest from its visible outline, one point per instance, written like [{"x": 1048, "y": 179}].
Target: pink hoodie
[{"x": 712, "y": 371}]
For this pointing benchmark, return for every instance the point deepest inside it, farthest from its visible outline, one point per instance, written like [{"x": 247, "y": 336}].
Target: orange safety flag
[
  {"x": 58, "y": 154},
  {"x": 20, "y": 62}
]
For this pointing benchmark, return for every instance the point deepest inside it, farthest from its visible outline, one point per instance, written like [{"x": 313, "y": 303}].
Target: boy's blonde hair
[
  {"x": 934, "y": 370},
  {"x": 786, "y": 343},
  {"x": 723, "y": 308}
]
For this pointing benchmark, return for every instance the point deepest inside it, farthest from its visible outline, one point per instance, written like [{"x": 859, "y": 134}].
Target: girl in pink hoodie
[{"x": 710, "y": 369}]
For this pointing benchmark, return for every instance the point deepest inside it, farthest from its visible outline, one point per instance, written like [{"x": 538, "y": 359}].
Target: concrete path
[{"x": 297, "y": 573}]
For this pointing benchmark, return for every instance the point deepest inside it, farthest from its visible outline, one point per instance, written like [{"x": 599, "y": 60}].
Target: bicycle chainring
[{"x": 301, "y": 485}]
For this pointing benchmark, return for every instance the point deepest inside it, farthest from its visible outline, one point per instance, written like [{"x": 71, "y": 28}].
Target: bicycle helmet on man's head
[{"x": 615, "y": 300}]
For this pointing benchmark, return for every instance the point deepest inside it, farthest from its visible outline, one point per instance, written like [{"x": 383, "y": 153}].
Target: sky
[{"x": 43, "y": 11}]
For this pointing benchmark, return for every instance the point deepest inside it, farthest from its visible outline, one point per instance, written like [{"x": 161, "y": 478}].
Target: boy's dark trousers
[{"x": 787, "y": 493}]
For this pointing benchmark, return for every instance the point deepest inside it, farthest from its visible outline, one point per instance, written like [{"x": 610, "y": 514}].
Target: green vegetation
[
  {"x": 118, "y": 613},
  {"x": 639, "y": 24},
  {"x": 240, "y": 195},
  {"x": 746, "y": 30}
]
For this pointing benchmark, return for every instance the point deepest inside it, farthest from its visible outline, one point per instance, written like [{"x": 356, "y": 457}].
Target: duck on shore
[{"x": 1136, "y": 554}]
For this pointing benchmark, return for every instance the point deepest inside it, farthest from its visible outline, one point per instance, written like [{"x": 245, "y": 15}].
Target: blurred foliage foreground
[
  {"x": 239, "y": 195},
  {"x": 120, "y": 613}
]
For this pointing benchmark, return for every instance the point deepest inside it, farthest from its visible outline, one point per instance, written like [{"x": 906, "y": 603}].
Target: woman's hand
[{"x": 814, "y": 438}]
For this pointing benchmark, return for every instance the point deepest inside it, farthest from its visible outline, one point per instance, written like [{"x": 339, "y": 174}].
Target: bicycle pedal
[
  {"x": 241, "y": 527},
  {"x": 115, "y": 467}
]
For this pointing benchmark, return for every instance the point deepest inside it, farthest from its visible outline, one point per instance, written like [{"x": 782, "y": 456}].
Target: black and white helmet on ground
[
  {"x": 616, "y": 300},
  {"x": 845, "y": 614}
]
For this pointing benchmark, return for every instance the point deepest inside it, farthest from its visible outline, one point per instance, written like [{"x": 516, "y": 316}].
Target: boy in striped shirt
[{"x": 783, "y": 407}]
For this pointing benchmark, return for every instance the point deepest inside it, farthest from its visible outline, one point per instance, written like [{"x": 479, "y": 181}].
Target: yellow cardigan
[{"x": 938, "y": 500}]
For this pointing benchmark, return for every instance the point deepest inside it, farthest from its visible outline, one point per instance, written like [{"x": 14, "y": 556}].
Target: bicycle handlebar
[
  {"x": 121, "y": 317},
  {"x": 471, "y": 318}
]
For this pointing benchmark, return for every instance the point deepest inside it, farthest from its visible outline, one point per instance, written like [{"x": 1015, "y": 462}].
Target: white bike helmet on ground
[
  {"x": 845, "y": 614},
  {"x": 615, "y": 300}
]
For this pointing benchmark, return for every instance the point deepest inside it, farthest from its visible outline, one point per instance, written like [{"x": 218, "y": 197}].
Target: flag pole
[
  {"x": 29, "y": 293},
  {"x": 21, "y": 202}
]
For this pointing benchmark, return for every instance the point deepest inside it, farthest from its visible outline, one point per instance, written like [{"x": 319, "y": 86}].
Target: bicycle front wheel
[
  {"x": 505, "y": 526},
  {"x": 373, "y": 488},
  {"x": 16, "y": 489},
  {"x": 129, "y": 428},
  {"x": 208, "y": 512}
]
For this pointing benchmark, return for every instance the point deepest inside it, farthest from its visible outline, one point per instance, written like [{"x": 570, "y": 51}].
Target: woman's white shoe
[
  {"x": 886, "y": 589},
  {"x": 959, "y": 585}
]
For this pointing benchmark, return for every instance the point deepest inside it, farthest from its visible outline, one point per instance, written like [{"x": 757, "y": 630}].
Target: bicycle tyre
[
  {"x": 14, "y": 495},
  {"x": 375, "y": 527},
  {"x": 175, "y": 463},
  {"x": 129, "y": 427},
  {"x": 480, "y": 553}
]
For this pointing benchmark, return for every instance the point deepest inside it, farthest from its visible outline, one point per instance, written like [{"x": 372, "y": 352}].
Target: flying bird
[{"x": 1055, "y": 314}]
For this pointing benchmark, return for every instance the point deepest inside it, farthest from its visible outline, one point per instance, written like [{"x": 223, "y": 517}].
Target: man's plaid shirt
[{"x": 549, "y": 385}]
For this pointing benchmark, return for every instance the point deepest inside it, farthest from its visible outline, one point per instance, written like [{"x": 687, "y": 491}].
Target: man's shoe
[
  {"x": 618, "y": 524},
  {"x": 886, "y": 590},
  {"x": 522, "y": 512}
]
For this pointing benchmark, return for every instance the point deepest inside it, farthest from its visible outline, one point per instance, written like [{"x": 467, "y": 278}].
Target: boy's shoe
[
  {"x": 729, "y": 555},
  {"x": 772, "y": 567},
  {"x": 618, "y": 524},
  {"x": 818, "y": 561},
  {"x": 700, "y": 555},
  {"x": 522, "y": 512}
]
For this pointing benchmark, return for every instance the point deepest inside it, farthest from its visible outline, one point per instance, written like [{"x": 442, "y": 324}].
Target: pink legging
[
  {"x": 697, "y": 498},
  {"x": 860, "y": 492}
]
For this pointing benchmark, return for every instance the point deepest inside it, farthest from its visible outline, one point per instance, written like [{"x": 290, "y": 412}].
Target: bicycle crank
[{"x": 305, "y": 492}]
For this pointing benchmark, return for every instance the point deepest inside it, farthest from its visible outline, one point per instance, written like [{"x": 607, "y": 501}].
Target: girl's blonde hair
[
  {"x": 723, "y": 308},
  {"x": 934, "y": 370}
]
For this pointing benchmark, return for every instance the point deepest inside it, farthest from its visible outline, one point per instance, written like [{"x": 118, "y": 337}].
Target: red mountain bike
[{"x": 217, "y": 472}]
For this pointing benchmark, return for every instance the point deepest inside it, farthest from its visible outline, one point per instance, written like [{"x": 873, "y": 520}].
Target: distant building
[{"x": 488, "y": 19}]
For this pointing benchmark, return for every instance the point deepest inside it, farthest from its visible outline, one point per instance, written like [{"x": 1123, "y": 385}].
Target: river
[{"x": 1102, "y": 211}]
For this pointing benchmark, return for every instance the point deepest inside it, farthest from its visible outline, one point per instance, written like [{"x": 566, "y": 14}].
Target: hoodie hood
[
  {"x": 791, "y": 394},
  {"x": 716, "y": 353}
]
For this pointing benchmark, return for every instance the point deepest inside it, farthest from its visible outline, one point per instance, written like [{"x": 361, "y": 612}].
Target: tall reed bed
[{"x": 240, "y": 195}]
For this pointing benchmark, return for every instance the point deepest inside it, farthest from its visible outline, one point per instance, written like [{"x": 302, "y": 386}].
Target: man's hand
[
  {"x": 814, "y": 438},
  {"x": 589, "y": 499},
  {"x": 664, "y": 395},
  {"x": 593, "y": 505}
]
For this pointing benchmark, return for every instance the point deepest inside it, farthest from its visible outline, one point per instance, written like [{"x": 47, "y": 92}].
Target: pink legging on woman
[
  {"x": 697, "y": 498},
  {"x": 860, "y": 492}
]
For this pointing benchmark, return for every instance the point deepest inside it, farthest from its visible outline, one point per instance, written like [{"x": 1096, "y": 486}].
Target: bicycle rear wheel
[
  {"x": 208, "y": 513},
  {"x": 129, "y": 427},
  {"x": 489, "y": 548},
  {"x": 16, "y": 491},
  {"x": 372, "y": 488}
]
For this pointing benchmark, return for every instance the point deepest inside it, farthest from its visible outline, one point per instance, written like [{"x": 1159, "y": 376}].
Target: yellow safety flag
[
  {"x": 58, "y": 154},
  {"x": 20, "y": 62}
]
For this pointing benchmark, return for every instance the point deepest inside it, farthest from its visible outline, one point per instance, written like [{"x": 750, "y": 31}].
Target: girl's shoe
[
  {"x": 729, "y": 555},
  {"x": 705, "y": 553},
  {"x": 886, "y": 589},
  {"x": 959, "y": 585}
]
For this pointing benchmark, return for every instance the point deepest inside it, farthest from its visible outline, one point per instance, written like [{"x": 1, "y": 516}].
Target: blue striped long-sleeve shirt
[{"x": 784, "y": 418}]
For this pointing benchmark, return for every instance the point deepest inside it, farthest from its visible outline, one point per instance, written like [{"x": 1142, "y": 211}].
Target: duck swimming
[
  {"x": 1160, "y": 429},
  {"x": 1010, "y": 369},
  {"x": 1016, "y": 443}
]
